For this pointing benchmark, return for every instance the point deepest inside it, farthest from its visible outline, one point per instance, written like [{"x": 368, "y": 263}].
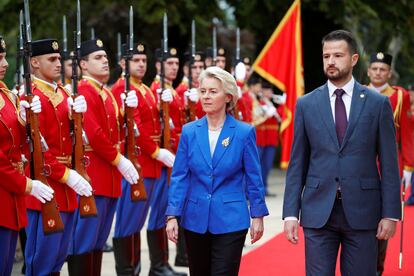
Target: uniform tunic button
[{"x": 63, "y": 139}]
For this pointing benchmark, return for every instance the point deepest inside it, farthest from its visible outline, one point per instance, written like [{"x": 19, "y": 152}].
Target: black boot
[
  {"x": 123, "y": 252},
  {"x": 137, "y": 253},
  {"x": 80, "y": 265},
  {"x": 158, "y": 251},
  {"x": 97, "y": 262},
  {"x": 181, "y": 258}
]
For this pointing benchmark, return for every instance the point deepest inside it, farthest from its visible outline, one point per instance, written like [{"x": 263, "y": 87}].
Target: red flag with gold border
[{"x": 280, "y": 62}]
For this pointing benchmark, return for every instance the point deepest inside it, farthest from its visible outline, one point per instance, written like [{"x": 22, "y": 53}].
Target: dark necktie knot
[{"x": 339, "y": 92}]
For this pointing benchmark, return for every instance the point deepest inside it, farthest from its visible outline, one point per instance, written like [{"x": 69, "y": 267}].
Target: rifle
[
  {"x": 64, "y": 52},
  {"x": 138, "y": 192},
  {"x": 51, "y": 220},
  {"x": 164, "y": 108},
  {"x": 191, "y": 104},
  {"x": 236, "y": 111},
  {"x": 87, "y": 204},
  {"x": 19, "y": 54},
  {"x": 214, "y": 39}
]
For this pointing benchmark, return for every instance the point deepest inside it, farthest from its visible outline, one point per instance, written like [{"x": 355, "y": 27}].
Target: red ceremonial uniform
[
  {"x": 267, "y": 133},
  {"x": 245, "y": 104},
  {"x": 176, "y": 111},
  {"x": 181, "y": 88},
  {"x": 13, "y": 184},
  {"x": 54, "y": 126},
  {"x": 102, "y": 127},
  {"x": 147, "y": 119},
  {"x": 400, "y": 102}
]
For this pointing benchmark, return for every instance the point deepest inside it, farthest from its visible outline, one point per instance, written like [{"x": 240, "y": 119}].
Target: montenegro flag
[{"x": 280, "y": 62}]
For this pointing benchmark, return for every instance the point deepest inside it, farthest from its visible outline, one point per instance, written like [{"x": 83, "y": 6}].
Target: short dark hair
[{"x": 342, "y": 35}]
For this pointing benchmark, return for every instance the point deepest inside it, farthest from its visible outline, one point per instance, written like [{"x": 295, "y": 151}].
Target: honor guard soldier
[
  {"x": 379, "y": 73},
  {"x": 14, "y": 185},
  {"x": 157, "y": 238},
  {"x": 45, "y": 254},
  {"x": 102, "y": 124},
  {"x": 221, "y": 58},
  {"x": 267, "y": 133},
  {"x": 208, "y": 60},
  {"x": 183, "y": 88}
]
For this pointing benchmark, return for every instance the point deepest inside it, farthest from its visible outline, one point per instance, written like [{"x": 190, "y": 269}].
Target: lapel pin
[
  {"x": 226, "y": 142},
  {"x": 362, "y": 96}
]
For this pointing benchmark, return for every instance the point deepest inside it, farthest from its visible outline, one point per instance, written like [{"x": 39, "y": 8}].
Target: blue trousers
[
  {"x": 267, "y": 156},
  {"x": 8, "y": 241},
  {"x": 358, "y": 247},
  {"x": 46, "y": 253},
  {"x": 131, "y": 216},
  {"x": 91, "y": 233}
]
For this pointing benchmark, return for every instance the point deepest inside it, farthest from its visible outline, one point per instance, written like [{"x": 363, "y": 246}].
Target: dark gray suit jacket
[{"x": 365, "y": 166}]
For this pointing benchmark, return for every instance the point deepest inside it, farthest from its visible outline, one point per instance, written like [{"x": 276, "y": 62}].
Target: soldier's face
[
  {"x": 97, "y": 65},
  {"x": 3, "y": 65},
  {"x": 196, "y": 70},
  {"x": 338, "y": 60},
  {"x": 47, "y": 67},
  {"x": 171, "y": 68},
  {"x": 138, "y": 66},
  {"x": 209, "y": 61},
  {"x": 221, "y": 62},
  {"x": 379, "y": 73}
]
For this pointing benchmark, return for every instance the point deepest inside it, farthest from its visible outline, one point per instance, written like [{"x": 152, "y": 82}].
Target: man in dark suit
[{"x": 343, "y": 176}]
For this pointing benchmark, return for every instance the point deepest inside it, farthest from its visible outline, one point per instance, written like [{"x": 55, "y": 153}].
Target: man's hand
[
  {"x": 291, "y": 231},
  {"x": 386, "y": 229},
  {"x": 256, "y": 229}
]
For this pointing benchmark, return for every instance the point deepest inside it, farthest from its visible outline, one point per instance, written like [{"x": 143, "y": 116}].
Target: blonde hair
[{"x": 227, "y": 81}]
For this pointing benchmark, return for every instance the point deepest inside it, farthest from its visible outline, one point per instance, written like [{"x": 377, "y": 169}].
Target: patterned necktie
[{"x": 341, "y": 122}]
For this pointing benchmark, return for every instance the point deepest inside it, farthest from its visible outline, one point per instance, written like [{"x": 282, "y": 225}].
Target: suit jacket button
[{"x": 337, "y": 179}]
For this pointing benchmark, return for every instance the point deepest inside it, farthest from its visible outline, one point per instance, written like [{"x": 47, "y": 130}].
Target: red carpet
[{"x": 279, "y": 257}]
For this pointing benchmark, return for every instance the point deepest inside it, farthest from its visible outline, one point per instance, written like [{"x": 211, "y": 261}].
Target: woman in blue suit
[{"x": 216, "y": 178}]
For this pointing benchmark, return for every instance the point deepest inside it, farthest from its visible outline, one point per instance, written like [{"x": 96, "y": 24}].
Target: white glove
[
  {"x": 79, "y": 184},
  {"x": 279, "y": 99},
  {"x": 79, "y": 105},
  {"x": 128, "y": 171},
  {"x": 239, "y": 92},
  {"x": 41, "y": 191},
  {"x": 131, "y": 99},
  {"x": 192, "y": 94},
  {"x": 407, "y": 177},
  {"x": 35, "y": 106},
  {"x": 270, "y": 111},
  {"x": 167, "y": 96},
  {"x": 240, "y": 71},
  {"x": 166, "y": 157}
]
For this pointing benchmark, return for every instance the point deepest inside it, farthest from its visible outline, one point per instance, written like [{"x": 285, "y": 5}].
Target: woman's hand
[
  {"x": 172, "y": 230},
  {"x": 256, "y": 229}
]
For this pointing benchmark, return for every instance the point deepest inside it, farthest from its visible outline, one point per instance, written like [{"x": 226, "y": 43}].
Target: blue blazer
[
  {"x": 365, "y": 166},
  {"x": 209, "y": 193}
]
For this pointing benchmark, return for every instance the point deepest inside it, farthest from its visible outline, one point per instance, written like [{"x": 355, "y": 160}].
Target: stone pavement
[{"x": 273, "y": 226}]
